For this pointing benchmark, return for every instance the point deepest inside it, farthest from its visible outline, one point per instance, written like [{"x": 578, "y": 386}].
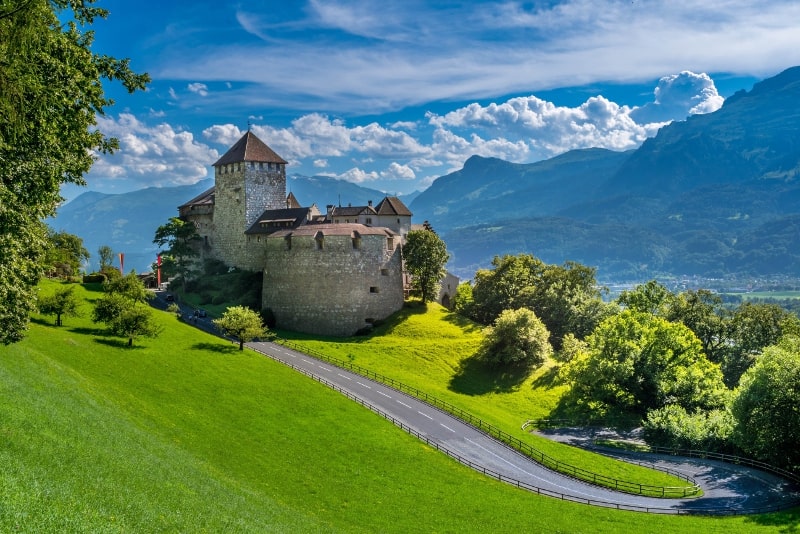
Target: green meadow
[{"x": 184, "y": 433}]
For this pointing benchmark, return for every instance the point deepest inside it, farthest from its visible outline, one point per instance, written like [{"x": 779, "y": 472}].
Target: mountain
[
  {"x": 715, "y": 194},
  {"x": 127, "y": 222}
]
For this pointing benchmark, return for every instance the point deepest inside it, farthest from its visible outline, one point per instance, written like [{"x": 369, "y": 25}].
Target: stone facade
[{"x": 332, "y": 279}]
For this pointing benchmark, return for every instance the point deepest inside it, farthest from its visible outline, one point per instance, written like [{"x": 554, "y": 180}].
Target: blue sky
[{"x": 393, "y": 94}]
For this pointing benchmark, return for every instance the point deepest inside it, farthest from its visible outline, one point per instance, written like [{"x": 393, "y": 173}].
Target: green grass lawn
[{"x": 184, "y": 433}]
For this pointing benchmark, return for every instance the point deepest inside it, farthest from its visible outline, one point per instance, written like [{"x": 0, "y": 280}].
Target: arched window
[{"x": 320, "y": 239}]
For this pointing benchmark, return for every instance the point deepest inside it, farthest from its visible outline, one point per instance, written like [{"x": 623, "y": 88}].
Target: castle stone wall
[
  {"x": 265, "y": 189},
  {"x": 334, "y": 290}
]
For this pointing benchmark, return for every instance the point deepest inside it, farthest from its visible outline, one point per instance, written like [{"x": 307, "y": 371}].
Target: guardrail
[
  {"x": 536, "y": 455},
  {"x": 655, "y": 449}
]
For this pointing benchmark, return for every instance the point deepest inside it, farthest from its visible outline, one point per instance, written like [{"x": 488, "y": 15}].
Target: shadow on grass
[
  {"x": 788, "y": 521},
  {"x": 118, "y": 343},
  {"x": 468, "y": 325},
  {"x": 549, "y": 379},
  {"x": 476, "y": 377},
  {"x": 88, "y": 331},
  {"x": 220, "y": 348},
  {"x": 45, "y": 322}
]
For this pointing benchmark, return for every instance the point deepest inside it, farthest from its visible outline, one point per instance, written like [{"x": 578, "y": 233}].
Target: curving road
[{"x": 727, "y": 488}]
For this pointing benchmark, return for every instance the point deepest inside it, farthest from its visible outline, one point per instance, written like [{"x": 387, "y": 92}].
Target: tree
[
  {"x": 518, "y": 337},
  {"x": 65, "y": 254},
  {"x": 241, "y": 323},
  {"x": 766, "y": 406},
  {"x": 52, "y": 91},
  {"x": 425, "y": 256},
  {"x": 500, "y": 288},
  {"x": 752, "y": 328},
  {"x": 565, "y": 297},
  {"x": 703, "y": 312},
  {"x": 106, "y": 255},
  {"x": 180, "y": 238},
  {"x": 62, "y": 302},
  {"x": 123, "y": 309},
  {"x": 650, "y": 297},
  {"x": 636, "y": 362}
]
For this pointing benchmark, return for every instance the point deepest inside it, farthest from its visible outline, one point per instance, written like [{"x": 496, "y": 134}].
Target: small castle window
[
  {"x": 356, "y": 240},
  {"x": 288, "y": 241},
  {"x": 374, "y": 289},
  {"x": 390, "y": 243},
  {"x": 369, "y": 220},
  {"x": 320, "y": 239},
  {"x": 384, "y": 272}
]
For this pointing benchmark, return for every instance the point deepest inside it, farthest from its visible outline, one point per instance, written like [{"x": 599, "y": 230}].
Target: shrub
[
  {"x": 672, "y": 426},
  {"x": 268, "y": 316},
  {"x": 94, "y": 278},
  {"x": 213, "y": 267}
]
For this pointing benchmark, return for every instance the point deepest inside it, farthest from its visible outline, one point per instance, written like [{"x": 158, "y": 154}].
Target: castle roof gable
[
  {"x": 204, "y": 198},
  {"x": 392, "y": 206},
  {"x": 346, "y": 229},
  {"x": 250, "y": 148},
  {"x": 272, "y": 220}
]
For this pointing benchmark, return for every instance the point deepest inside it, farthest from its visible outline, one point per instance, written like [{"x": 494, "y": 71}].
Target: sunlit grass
[{"x": 184, "y": 433}]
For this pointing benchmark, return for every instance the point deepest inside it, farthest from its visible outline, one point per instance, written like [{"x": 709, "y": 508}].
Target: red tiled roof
[{"x": 250, "y": 148}]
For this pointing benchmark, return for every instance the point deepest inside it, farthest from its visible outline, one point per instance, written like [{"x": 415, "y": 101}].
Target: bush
[
  {"x": 219, "y": 299},
  {"x": 94, "y": 278},
  {"x": 205, "y": 298},
  {"x": 213, "y": 267},
  {"x": 672, "y": 426}
]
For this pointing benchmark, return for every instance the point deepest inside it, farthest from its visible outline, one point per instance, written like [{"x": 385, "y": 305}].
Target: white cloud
[
  {"x": 320, "y": 163},
  {"x": 678, "y": 96},
  {"x": 151, "y": 155},
  {"x": 396, "y": 171},
  {"x": 198, "y": 88},
  {"x": 357, "y": 176}
]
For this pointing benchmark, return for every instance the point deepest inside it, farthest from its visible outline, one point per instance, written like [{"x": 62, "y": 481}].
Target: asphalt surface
[{"x": 727, "y": 488}]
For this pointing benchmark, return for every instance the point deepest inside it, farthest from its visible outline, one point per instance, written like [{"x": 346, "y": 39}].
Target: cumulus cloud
[
  {"x": 396, "y": 171},
  {"x": 198, "y": 88},
  {"x": 152, "y": 155},
  {"x": 679, "y": 95},
  {"x": 357, "y": 176}
]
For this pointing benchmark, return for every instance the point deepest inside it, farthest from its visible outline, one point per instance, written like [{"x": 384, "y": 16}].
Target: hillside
[{"x": 185, "y": 433}]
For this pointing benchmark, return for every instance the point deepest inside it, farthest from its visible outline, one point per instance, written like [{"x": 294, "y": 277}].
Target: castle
[{"x": 331, "y": 273}]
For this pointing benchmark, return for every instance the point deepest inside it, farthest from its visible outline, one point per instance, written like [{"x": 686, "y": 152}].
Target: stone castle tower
[{"x": 249, "y": 179}]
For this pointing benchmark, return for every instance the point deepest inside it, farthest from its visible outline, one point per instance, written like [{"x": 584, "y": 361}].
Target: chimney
[{"x": 369, "y": 203}]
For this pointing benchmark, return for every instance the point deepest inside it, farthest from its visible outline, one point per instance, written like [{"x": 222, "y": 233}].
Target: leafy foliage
[
  {"x": 62, "y": 302},
  {"x": 766, "y": 406},
  {"x": 123, "y": 309},
  {"x": 52, "y": 92},
  {"x": 565, "y": 297},
  {"x": 637, "y": 362},
  {"x": 518, "y": 337},
  {"x": 65, "y": 254},
  {"x": 672, "y": 426},
  {"x": 425, "y": 256},
  {"x": 180, "y": 238},
  {"x": 241, "y": 323},
  {"x": 106, "y": 256}
]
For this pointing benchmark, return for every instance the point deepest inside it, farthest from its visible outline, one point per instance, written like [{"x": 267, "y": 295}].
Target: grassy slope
[
  {"x": 431, "y": 349},
  {"x": 183, "y": 433}
]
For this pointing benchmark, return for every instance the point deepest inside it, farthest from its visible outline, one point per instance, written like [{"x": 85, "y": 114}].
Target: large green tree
[
  {"x": 65, "y": 254},
  {"x": 179, "y": 240},
  {"x": 241, "y": 323},
  {"x": 636, "y": 362},
  {"x": 767, "y": 406},
  {"x": 51, "y": 90},
  {"x": 753, "y": 327},
  {"x": 425, "y": 255}
]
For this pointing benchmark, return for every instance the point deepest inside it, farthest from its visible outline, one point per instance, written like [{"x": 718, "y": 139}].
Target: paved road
[{"x": 727, "y": 488}]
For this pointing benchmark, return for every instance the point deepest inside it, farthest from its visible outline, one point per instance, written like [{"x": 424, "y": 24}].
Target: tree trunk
[
  {"x": 241, "y": 344},
  {"x": 130, "y": 341}
]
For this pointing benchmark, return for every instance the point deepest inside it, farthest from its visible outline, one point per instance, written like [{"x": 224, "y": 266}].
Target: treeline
[{"x": 698, "y": 372}]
